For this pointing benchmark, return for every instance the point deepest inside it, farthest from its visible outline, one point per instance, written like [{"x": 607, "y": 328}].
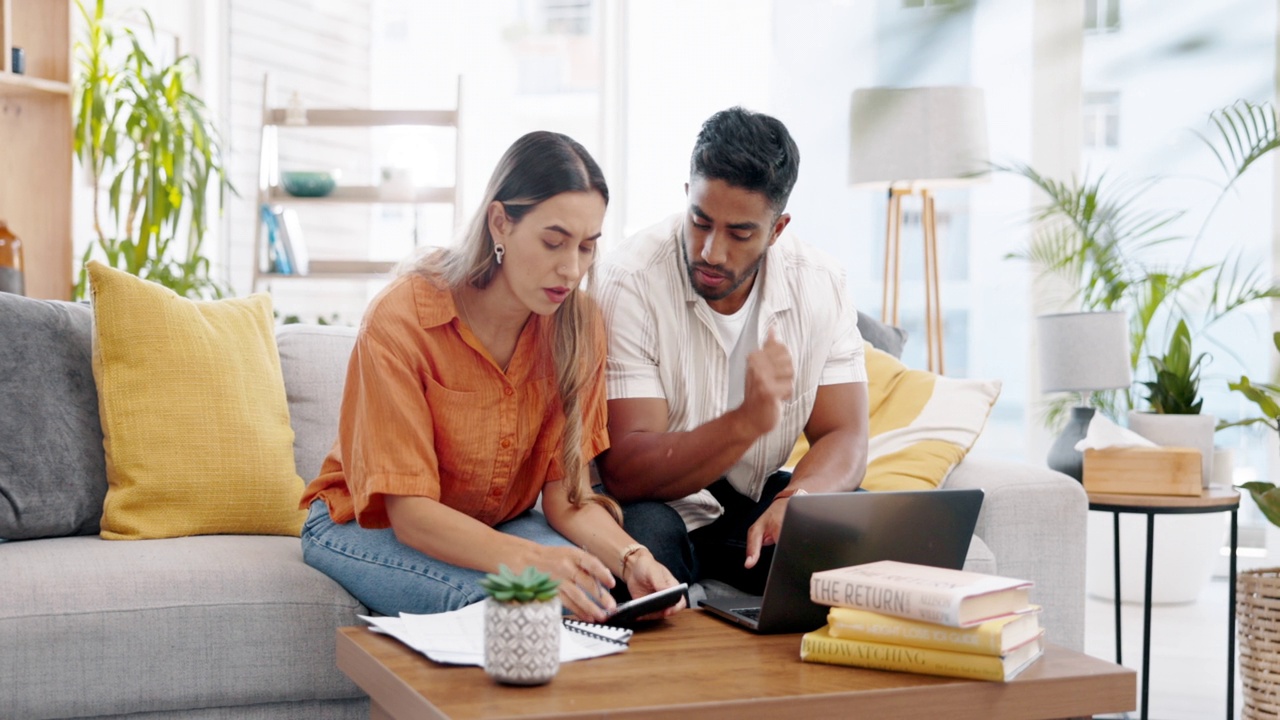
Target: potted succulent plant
[{"x": 522, "y": 621}]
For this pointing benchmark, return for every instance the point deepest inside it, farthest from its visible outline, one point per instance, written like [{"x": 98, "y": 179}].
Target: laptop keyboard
[{"x": 752, "y": 613}]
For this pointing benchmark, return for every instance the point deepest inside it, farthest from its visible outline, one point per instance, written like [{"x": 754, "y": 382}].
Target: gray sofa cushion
[
  {"x": 53, "y": 474},
  {"x": 97, "y": 627},
  {"x": 884, "y": 337},
  {"x": 314, "y": 361}
]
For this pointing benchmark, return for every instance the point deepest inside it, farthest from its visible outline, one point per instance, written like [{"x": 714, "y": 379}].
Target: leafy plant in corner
[
  {"x": 532, "y": 585},
  {"x": 1175, "y": 387},
  {"x": 143, "y": 135},
  {"x": 1096, "y": 237},
  {"x": 1267, "y": 397}
]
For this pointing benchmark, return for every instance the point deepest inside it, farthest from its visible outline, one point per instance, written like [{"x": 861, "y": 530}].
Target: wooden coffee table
[{"x": 694, "y": 663}]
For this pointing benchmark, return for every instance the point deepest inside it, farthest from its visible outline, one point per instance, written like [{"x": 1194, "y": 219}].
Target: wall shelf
[
  {"x": 35, "y": 141},
  {"x": 276, "y": 120}
]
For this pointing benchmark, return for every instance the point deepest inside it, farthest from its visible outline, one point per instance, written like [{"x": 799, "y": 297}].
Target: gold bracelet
[{"x": 627, "y": 552}]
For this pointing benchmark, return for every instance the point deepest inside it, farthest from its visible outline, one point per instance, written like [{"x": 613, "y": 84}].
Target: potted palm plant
[
  {"x": 522, "y": 619},
  {"x": 144, "y": 135},
  {"x": 1097, "y": 235}
]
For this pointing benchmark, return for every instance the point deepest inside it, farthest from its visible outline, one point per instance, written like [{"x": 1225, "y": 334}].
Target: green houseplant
[
  {"x": 1175, "y": 385},
  {"x": 141, "y": 133},
  {"x": 1096, "y": 236},
  {"x": 1257, "y": 590},
  {"x": 1266, "y": 396},
  {"x": 522, "y": 620}
]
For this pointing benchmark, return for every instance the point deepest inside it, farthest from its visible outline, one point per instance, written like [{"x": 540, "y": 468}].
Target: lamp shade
[
  {"x": 932, "y": 136},
  {"x": 1083, "y": 352}
]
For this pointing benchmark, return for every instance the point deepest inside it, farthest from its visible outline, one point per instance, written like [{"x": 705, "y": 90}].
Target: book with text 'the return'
[
  {"x": 938, "y": 595},
  {"x": 820, "y": 647}
]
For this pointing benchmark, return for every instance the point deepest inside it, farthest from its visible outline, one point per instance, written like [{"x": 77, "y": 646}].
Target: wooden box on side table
[{"x": 1143, "y": 471}]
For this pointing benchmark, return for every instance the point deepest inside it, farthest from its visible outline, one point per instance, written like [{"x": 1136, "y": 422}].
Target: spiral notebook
[
  {"x": 457, "y": 638},
  {"x": 599, "y": 633}
]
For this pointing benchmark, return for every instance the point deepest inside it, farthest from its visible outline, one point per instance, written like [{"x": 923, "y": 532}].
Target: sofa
[{"x": 237, "y": 626}]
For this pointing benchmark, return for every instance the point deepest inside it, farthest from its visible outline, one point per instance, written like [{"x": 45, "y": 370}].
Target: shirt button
[
  {"x": 506, "y": 443},
  {"x": 508, "y": 392}
]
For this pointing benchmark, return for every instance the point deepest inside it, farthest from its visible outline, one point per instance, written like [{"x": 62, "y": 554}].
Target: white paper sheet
[{"x": 457, "y": 638}]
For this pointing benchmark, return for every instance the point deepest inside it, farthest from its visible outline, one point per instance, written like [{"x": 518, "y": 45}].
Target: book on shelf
[
  {"x": 291, "y": 239},
  {"x": 957, "y": 598},
  {"x": 277, "y": 258},
  {"x": 993, "y": 637},
  {"x": 820, "y": 646}
]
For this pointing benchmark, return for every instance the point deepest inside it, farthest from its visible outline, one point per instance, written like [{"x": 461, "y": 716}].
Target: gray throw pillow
[
  {"x": 53, "y": 474},
  {"x": 888, "y": 338}
]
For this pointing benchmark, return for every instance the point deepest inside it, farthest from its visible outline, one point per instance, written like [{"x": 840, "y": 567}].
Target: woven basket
[{"x": 1258, "y": 628}]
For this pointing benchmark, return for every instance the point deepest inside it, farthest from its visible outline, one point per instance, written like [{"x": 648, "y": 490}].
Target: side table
[{"x": 1211, "y": 500}]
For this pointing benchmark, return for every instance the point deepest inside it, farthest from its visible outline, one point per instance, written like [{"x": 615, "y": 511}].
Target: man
[{"x": 727, "y": 340}]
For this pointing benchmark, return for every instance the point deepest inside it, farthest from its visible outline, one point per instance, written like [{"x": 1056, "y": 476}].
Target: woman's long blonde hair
[{"x": 536, "y": 167}]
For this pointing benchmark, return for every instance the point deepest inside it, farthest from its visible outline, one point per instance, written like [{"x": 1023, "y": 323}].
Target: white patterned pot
[{"x": 522, "y": 641}]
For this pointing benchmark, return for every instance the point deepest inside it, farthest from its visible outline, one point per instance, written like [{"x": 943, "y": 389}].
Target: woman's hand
[
  {"x": 584, "y": 581},
  {"x": 645, "y": 575}
]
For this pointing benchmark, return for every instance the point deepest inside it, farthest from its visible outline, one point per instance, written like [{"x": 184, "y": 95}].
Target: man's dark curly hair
[{"x": 749, "y": 150}]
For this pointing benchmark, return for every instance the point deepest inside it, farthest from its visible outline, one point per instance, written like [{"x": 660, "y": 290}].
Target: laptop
[{"x": 822, "y": 531}]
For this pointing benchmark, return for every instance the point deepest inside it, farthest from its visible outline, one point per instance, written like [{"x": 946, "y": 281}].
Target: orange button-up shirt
[{"x": 427, "y": 412}]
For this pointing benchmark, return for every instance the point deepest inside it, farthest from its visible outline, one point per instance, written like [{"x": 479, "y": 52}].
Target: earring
[{"x": 498, "y": 250}]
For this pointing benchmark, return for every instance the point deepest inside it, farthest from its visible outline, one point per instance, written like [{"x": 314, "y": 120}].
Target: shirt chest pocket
[{"x": 464, "y": 428}]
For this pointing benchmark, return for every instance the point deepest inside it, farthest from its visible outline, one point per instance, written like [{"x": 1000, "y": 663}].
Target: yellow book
[
  {"x": 820, "y": 647},
  {"x": 994, "y": 637}
]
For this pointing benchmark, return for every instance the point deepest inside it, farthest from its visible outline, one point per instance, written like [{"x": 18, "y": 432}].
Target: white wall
[{"x": 319, "y": 49}]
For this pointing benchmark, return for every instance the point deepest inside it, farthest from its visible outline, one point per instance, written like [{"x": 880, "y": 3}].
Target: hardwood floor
[{"x": 1188, "y": 652}]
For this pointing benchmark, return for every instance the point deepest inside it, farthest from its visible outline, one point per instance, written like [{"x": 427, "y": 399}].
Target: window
[
  {"x": 1101, "y": 120},
  {"x": 566, "y": 17},
  {"x": 1101, "y": 16}
]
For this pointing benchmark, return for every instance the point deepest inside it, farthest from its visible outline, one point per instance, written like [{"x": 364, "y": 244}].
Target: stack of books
[{"x": 913, "y": 618}]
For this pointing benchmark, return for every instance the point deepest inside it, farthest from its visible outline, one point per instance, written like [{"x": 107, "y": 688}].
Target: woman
[{"x": 477, "y": 382}]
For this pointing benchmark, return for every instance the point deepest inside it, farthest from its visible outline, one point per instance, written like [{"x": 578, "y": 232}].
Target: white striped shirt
[{"x": 663, "y": 341}]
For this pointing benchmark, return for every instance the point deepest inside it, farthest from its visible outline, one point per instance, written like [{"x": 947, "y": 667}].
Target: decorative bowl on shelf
[{"x": 307, "y": 183}]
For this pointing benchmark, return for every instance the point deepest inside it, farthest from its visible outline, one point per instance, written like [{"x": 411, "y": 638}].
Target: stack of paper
[{"x": 457, "y": 638}]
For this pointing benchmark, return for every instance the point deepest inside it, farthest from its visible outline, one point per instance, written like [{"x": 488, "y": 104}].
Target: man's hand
[
  {"x": 764, "y": 531},
  {"x": 770, "y": 382}
]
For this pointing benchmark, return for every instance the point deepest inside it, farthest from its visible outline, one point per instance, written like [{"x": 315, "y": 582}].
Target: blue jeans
[{"x": 390, "y": 577}]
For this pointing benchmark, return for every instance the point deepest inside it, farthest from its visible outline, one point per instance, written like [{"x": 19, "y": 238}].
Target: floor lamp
[{"x": 910, "y": 141}]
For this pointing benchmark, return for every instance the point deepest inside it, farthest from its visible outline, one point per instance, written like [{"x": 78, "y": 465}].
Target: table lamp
[
  {"x": 1082, "y": 353},
  {"x": 910, "y": 141}
]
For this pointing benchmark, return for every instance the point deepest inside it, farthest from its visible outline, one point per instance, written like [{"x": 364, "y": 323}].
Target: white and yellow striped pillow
[{"x": 922, "y": 424}]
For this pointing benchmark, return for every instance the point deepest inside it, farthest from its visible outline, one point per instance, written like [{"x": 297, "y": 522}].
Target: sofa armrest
[{"x": 1034, "y": 520}]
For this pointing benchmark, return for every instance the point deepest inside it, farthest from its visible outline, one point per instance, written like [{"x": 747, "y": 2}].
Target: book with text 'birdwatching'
[
  {"x": 993, "y": 637},
  {"x": 820, "y": 647},
  {"x": 957, "y": 598}
]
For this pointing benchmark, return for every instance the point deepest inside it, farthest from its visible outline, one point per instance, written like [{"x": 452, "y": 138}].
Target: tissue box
[{"x": 1143, "y": 471}]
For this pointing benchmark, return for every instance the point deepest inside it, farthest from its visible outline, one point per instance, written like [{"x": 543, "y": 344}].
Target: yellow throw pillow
[
  {"x": 922, "y": 424},
  {"x": 194, "y": 416}
]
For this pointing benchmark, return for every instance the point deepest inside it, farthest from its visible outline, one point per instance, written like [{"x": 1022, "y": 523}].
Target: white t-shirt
[
  {"x": 738, "y": 336},
  {"x": 665, "y": 342}
]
